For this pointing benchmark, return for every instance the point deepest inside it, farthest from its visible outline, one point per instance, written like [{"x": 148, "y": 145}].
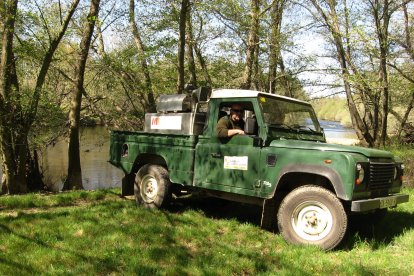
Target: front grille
[{"x": 381, "y": 175}]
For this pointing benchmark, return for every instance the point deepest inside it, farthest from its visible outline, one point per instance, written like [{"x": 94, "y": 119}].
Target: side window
[
  {"x": 200, "y": 118},
  {"x": 247, "y": 114}
]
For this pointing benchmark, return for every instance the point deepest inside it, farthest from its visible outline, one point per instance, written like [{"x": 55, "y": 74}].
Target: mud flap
[
  {"x": 128, "y": 185},
  {"x": 269, "y": 211}
]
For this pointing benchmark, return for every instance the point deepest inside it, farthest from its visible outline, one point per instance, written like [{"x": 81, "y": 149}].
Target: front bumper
[{"x": 378, "y": 203}]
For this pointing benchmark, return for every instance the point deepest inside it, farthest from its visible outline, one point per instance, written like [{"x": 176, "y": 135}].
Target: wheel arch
[
  {"x": 294, "y": 176},
  {"x": 148, "y": 158}
]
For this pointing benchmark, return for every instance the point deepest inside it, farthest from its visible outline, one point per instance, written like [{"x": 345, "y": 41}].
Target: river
[
  {"x": 97, "y": 173},
  {"x": 338, "y": 134}
]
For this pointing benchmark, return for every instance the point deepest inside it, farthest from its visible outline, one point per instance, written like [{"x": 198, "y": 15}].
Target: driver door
[{"x": 230, "y": 164}]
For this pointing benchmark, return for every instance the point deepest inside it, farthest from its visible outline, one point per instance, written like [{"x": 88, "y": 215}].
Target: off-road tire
[
  {"x": 312, "y": 215},
  {"x": 152, "y": 187}
]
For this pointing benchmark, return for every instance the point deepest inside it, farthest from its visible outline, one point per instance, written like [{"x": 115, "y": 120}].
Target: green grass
[
  {"x": 101, "y": 233},
  {"x": 32, "y": 200}
]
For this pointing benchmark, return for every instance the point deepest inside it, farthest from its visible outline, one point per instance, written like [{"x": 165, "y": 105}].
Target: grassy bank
[
  {"x": 100, "y": 233},
  {"x": 333, "y": 109},
  {"x": 336, "y": 109}
]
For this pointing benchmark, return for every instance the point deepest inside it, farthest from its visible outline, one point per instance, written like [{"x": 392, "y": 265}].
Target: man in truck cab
[{"x": 233, "y": 124}]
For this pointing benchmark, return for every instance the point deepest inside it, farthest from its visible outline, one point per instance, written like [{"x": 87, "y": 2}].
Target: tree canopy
[{"x": 362, "y": 50}]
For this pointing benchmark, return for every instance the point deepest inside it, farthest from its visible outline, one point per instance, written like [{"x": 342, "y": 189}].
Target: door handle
[{"x": 216, "y": 155}]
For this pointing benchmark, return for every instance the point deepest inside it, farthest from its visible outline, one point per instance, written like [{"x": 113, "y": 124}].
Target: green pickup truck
[{"x": 306, "y": 187}]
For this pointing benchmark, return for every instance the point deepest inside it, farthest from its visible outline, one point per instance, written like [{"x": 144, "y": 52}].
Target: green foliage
[
  {"x": 406, "y": 153},
  {"x": 114, "y": 81},
  {"x": 113, "y": 236}
]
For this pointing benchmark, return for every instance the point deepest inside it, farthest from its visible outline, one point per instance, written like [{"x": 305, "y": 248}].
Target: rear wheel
[
  {"x": 312, "y": 215},
  {"x": 152, "y": 186}
]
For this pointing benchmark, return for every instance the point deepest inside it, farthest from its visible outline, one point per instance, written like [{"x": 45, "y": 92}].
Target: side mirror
[{"x": 250, "y": 126}]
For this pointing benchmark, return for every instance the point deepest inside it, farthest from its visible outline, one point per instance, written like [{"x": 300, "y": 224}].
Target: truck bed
[{"x": 173, "y": 150}]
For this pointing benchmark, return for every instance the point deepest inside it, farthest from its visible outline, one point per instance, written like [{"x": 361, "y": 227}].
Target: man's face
[{"x": 236, "y": 112}]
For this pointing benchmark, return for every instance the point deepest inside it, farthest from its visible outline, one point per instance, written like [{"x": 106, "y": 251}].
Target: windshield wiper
[
  {"x": 295, "y": 128},
  {"x": 300, "y": 127},
  {"x": 282, "y": 126}
]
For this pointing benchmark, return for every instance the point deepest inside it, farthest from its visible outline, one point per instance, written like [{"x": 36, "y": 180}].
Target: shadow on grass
[
  {"x": 216, "y": 209},
  {"x": 378, "y": 233},
  {"x": 219, "y": 209},
  {"x": 360, "y": 228},
  {"x": 18, "y": 267}
]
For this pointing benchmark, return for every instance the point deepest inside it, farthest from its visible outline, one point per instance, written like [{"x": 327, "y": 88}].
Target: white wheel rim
[
  {"x": 149, "y": 188},
  {"x": 312, "y": 220}
]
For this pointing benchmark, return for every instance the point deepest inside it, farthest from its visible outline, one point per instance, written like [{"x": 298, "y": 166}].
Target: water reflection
[{"x": 97, "y": 173}]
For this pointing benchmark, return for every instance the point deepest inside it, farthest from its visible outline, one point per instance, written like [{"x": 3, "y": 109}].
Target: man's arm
[
  {"x": 223, "y": 130},
  {"x": 232, "y": 132}
]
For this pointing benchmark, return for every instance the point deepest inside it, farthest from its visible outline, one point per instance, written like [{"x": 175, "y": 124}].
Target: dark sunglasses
[{"x": 237, "y": 110}]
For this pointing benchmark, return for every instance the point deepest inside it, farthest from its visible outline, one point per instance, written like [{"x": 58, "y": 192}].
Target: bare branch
[
  {"x": 404, "y": 75},
  {"x": 44, "y": 20}
]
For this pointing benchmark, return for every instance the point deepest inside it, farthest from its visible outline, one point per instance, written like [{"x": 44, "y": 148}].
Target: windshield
[{"x": 284, "y": 114}]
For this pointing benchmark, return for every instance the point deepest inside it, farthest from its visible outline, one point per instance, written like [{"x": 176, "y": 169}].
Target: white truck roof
[{"x": 240, "y": 93}]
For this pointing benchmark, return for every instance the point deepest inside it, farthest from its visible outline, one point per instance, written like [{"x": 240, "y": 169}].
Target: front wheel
[
  {"x": 312, "y": 215},
  {"x": 152, "y": 186}
]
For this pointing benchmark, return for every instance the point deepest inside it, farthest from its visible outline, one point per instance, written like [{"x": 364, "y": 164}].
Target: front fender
[{"x": 318, "y": 170}]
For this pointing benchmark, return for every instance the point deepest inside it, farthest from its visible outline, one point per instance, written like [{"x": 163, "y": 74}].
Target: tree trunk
[
  {"x": 74, "y": 177},
  {"x": 190, "y": 49},
  {"x": 332, "y": 23},
  {"x": 381, "y": 14},
  {"x": 15, "y": 127},
  {"x": 285, "y": 80},
  {"x": 149, "y": 99},
  {"x": 403, "y": 120},
  {"x": 408, "y": 45},
  {"x": 203, "y": 65},
  {"x": 12, "y": 136},
  {"x": 101, "y": 44},
  {"x": 252, "y": 43},
  {"x": 14, "y": 158},
  {"x": 181, "y": 45},
  {"x": 274, "y": 46},
  {"x": 34, "y": 176},
  {"x": 256, "y": 71}
]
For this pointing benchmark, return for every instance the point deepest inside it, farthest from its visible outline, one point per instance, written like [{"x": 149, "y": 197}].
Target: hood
[{"x": 307, "y": 145}]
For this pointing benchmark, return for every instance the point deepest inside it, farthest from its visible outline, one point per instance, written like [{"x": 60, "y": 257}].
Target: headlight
[{"x": 360, "y": 174}]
